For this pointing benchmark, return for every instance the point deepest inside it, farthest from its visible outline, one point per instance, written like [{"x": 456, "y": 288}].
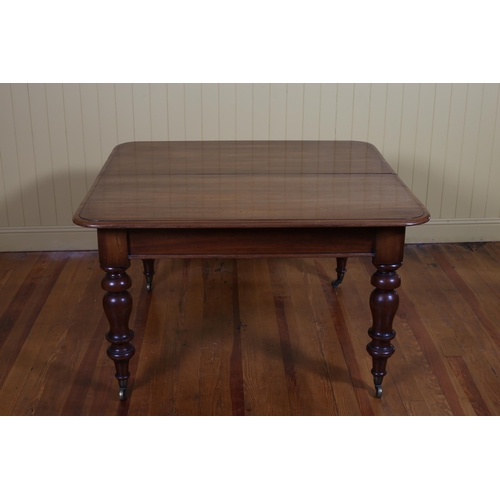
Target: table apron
[{"x": 251, "y": 242}]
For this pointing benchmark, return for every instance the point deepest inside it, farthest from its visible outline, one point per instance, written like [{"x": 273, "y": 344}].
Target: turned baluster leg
[
  {"x": 117, "y": 303},
  {"x": 149, "y": 270},
  {"x": 384, "y": 301},
  {"x": 341, "y": 270}
]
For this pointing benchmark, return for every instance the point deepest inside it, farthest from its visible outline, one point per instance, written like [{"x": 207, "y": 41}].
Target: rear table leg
[
  {"x": 149, "y": 270},
  {"x": 341, "y": 270}
]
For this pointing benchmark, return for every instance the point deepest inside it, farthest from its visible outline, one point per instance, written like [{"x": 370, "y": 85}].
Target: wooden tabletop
[{"x": 248, "y": 184}]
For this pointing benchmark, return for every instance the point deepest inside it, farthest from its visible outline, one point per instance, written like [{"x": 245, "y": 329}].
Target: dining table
[{"x": 249, "y": 199}]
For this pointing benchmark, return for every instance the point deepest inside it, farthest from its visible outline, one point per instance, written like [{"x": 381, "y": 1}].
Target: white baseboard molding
[
  {"x": 454, "y": 231},
  {"x": 59, "y": 238},
  {"x": 47, "y": 238}
]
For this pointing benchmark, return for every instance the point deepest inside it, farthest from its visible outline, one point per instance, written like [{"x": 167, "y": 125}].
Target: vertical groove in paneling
[
  {"x": 124, "y": 112},
  {"x": 361, "y": 112},
  {"x": 277, "y": 112},
  {"x": 35, "y": 175},
  {"x": 485, "y": 151},
  {"x": 312, "y": 106},
  {"x": 345, "y": 106},
  {"x": 301, "y": 137},
  {"x": 8, "y": 152},
  {"x": 59, "y": 153},
  {"x": 67, "y": 148},
  {"x": 163, "y": 130},
  {"x": 75, "y": 143},
  {"x": 286, "y": 110},
  {"x": 439, "y": 144},
  {"x": 88, "y": 181},
  {"x": 454, "y": 150},
  {"x": 443, "y": 139},
  {"x": 244, "y": 111},
  {"x": 192, "y": 103},
  {"x": 227, "y": 111},
  {"x": 176, "y": 119},
  {"x": 142, "y": 111},
  {"x": 210, "y": 111},
  {"x": 261, "y": 111},
  {"x": 107, "y": 118},
  {"x": 41, "y": 146},
  {"x": 469, "y": 145},
  {"x": 25, "y": 154},
  {"x": 492, "y": 198},
  {"x": 92, "y": 130},
  {"x": 294, "y": 111},
  {"x": 376, "y": 123},
  {"x": 328, "y": 111},
  {"x": 393, "y": 118},
  {"x": 423, "y": 139},
  {"x": 218, "y": 110},
  {"x": 4, "y": 216},
  {"x": 407, "y": 138}
]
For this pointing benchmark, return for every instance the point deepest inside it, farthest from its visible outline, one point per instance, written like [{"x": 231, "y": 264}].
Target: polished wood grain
[
  {"x": 250, "y": 242},
  {"x": 274, "y": 200},
  {"x": 250, "y": 184},
  {"x": 280, "y": 342},
  {"x": 246, "y": 157}
]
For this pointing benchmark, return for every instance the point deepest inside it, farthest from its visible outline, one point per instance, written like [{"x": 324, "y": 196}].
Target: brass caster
[
  {"x": 149, "y": 283},
  {"x": 337, "y": 282},
  {"x": 378, "y": 386},
  {"x": 122, "y": 393}
]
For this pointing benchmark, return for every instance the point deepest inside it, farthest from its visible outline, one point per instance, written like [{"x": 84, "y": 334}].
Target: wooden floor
[{"x": 252, "y": 337}]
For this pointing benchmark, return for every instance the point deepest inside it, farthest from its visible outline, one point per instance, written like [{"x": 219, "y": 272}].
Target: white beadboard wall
[{"x": 443, "y": 139}]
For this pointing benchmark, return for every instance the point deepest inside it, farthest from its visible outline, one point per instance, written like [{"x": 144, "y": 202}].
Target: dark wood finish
[
  {"x": 249, "y": 199},
  {"x": 248, "y": 184},
  {"x": 251, "y": 242},
  {"x": 149, "y": 271},
  {"x": 384, "y": 300},
  {"x": 54, "y": 362},
  {"x": 247, "y": 157},
  {"x": 117, "y": 301},
  {"x": 341, "y": 269}
]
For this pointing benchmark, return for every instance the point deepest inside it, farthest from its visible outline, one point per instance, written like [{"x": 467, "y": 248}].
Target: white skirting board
[
  {"x": 47, "y": 238},
  {"x": 454, "y": 231},
  {"x": 57, "y": 238}
]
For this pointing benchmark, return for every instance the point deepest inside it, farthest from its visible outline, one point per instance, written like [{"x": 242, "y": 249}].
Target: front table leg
[
  {"x": 117, "y": 303},
  {"x": 384, "y": 301}
]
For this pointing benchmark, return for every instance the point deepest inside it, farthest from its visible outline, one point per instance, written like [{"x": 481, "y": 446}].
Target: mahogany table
[{"x": 249, "y": 199}]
